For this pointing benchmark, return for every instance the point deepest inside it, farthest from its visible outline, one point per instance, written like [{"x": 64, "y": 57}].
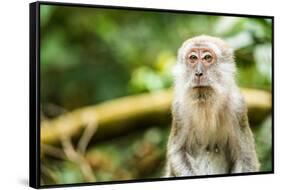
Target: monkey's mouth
[
  {"x": 201, "y": 93},
  {"x": 201, "y": 86}
]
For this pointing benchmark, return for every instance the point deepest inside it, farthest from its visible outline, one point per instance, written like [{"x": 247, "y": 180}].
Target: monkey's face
[
  {"x": 204, "y": 62},
  {"x": 199, "y": 62}
]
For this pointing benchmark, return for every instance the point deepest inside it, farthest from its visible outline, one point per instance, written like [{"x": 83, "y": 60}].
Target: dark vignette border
[{"x": 34, "y": 93}]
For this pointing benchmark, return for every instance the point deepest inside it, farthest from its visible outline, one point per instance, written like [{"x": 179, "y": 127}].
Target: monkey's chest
[{"x": 209, "y": 162}]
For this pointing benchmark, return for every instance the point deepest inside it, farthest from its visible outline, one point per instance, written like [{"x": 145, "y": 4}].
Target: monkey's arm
[
  {"x": 179, "y": 162},
  {"x": 246, "y": 160}
]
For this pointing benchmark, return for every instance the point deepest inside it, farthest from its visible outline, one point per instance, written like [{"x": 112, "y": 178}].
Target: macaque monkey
[{"x": 210, "y": 131}]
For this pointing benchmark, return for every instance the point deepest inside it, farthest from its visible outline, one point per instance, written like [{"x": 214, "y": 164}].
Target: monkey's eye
[
  {"x": 193, "y": 57},
  {"x": 208, "y": 58}
]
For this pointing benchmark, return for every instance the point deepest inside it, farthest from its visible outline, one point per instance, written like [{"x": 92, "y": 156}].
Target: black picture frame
[{"x": 34, "y": 91}]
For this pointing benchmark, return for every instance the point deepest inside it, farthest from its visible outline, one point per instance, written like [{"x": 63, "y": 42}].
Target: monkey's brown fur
[{"x": 210, "y": 131}]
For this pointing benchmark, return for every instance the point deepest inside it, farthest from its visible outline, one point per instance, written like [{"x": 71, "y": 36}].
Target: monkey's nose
[{"x": 198, "y": 74}]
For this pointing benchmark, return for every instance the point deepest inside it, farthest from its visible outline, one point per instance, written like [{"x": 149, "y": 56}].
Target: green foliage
[
  {"x": 91, "y": 55},
  {"x": 263, "y": 138}
]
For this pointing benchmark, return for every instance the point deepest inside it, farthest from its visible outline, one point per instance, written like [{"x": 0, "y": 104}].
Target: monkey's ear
[
  {"x": 229, "y": 56},
  {"x": 228, "y": 52},
  {"x": 177, "y": 69},
  {"x": 181, "y": 54}
]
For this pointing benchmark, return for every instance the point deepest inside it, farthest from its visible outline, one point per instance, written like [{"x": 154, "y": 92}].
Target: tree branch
[{"x": 117, "y": 116}]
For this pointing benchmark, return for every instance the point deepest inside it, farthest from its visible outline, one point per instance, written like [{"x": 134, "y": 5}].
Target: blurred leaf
[
  {"x": 70, "y": 173},
  {"x": 240, "y": 40},
  {"x": 263, "y": 144},
  {"x": 145, "y": 79},
  {"x": 262, "y": 55},
  {"x": 45, "y": 14}
]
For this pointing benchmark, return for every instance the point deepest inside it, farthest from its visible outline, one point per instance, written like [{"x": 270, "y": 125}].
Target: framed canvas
[{"x": 122, "y": 94}]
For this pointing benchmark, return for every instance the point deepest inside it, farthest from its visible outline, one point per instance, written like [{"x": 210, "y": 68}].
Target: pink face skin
[
  {"x": 204, "y": 55},
  {"x": 199, "y": 60}
]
